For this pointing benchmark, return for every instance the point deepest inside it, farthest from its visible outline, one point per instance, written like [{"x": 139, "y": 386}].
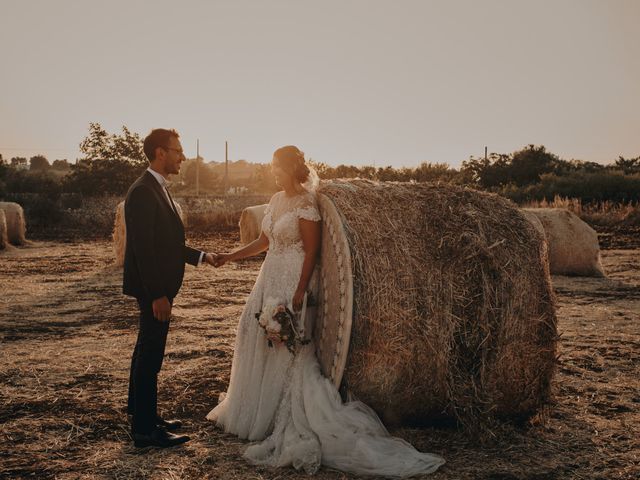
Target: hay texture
[
  {"x": 4, "y": 240},
  {"x": 119, "y": 235},
  {"x": 453, "y": 310},
  {"x": 251, "y": 223},
  {"x": 16, "y": 224},
  {"x": 573, "y": 244}
]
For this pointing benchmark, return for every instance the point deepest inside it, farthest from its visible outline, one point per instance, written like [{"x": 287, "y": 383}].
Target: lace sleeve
[{"x": 308, "y": 210}]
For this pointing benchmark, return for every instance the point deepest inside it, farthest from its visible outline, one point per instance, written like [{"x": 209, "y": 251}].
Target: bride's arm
[
  {"x": 310, "y": 233},
  {"x": 259, "y": 245}
]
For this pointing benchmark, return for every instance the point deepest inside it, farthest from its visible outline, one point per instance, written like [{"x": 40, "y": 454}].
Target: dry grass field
[{"x": 67, "y": 334}]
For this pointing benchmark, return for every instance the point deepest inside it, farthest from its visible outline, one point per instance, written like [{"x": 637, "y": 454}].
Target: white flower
[
  {"x": 268, "y": 309},
  {"x": 273, "y": 326}
]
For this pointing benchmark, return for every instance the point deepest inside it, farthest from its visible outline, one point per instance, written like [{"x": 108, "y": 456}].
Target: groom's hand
[
  {"x": 220, "y": 259},
  {"x": 212, "y": 259},
  {"x": 216, "y": 259},
  {"x": 162, "y": 309}
]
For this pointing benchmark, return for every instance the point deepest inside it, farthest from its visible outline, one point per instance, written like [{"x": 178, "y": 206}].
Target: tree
[
  {"x": 39, "y": 162},
  {"x": 387, "y": 174},
  {"x": 95, "y": 146},
  {"x": 129, "y": 146},
  {"x": 488, "y": 172},
  {"x": 61, "y": 165},
  {"x": 103, "y": 177},
  {"x": 571, "y": 167},
  {"x": 100, "y": 145},
  {"x": 262, "y": 179},
  {"x": 207, "y": 178},
  {"x": 346, "y": 171},
  {"x": 110, "y": 163},
  {"x": 19, "y": 162},
  {"x": 628, "y": 166},
  {"x": 528, "y": 164},
  {"x": 4, "y": 173},
  {"x": 431, "y": 172},
  {"x": 523, "y": 167}
]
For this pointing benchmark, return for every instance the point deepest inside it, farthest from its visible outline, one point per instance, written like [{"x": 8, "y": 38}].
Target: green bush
[
  {"x": 613, "y": 186},
  {"x": 22, "y": 181},
  {"x": 41, "y": 210},
  {"x": 102, "y": 177}
]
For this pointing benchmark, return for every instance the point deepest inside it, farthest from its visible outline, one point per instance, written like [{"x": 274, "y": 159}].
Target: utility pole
[
  {"x": 485, "y": 152},
  {"x": 226, "y": 167},
  {"x": 197, "y": 167}
]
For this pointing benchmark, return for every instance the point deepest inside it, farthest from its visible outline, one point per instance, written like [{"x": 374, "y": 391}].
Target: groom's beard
[{"x": 175, "y": 170}]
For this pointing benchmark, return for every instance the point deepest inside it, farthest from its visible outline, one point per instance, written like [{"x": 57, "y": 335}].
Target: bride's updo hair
[{"x": 291, "y": 160}]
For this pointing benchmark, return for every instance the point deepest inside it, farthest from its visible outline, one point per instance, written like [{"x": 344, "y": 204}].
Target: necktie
[{"x": 173, "y": 205}]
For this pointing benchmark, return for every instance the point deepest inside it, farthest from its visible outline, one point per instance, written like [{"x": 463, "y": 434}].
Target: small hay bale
[
  {"x": 4, "y": 240},
  {"x": 573, "y": 244},
  {"x": 119, "y": 235},
  {"x": 251, "y": 223},
  {"x": 453, "y": 310},
  {"x": 16, "y": 225}
]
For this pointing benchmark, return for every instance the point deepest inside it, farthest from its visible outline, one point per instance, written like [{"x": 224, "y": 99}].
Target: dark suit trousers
[{"x": 145, "y": 366}]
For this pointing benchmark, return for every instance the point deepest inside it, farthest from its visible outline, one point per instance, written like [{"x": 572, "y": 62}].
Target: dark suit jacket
[{"x": 155, "y": 252}]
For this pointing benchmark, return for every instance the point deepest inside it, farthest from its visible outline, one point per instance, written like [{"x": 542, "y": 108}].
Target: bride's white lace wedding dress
[{"x": 283, "y": 401}]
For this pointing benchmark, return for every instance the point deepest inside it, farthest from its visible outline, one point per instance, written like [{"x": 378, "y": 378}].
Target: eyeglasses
[{"x": 177, "y": 150}]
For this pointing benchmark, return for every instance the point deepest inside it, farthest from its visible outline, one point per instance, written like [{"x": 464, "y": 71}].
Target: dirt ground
[{"x": 67, "y": 334}]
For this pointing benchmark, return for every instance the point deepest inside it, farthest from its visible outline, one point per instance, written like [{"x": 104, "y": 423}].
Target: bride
[{"x": 280, "y": 400}]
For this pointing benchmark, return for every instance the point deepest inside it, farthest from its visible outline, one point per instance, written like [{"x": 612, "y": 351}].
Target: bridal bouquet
[{"x": 277, "y": 319}]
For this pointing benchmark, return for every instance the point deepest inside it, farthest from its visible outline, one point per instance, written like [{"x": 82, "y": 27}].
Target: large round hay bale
[
  {"x": 16, "y": 225},
  {"x": 4, "y": 240},
  {"x": 119, "y": 235},
  {"x": 251, "y": 223},
  {"x": 535, "y": 221},
  {"x": 449, "y": 296},
  {"x": 573, "y": 244}
]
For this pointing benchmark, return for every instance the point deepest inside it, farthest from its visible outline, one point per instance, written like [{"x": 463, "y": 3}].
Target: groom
[{"x": 154, "y": 261}]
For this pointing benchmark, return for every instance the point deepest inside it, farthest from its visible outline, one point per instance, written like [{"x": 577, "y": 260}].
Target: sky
[{"x": 358, "y": 82}]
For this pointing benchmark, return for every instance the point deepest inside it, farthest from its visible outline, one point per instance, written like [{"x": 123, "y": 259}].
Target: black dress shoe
[
  {"x": 169, "y": 425},
  {"x": 158, "y": 438}
]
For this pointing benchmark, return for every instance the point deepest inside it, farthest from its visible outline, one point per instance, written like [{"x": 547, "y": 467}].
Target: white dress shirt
[{"x": 163, "y": 184}]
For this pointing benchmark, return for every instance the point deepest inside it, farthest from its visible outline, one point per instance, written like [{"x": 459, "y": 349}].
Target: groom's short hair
[{"x": 159, "y": 137}]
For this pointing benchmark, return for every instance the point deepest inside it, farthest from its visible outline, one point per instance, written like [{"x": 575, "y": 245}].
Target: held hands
[{"x": 216, "y": 259}]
